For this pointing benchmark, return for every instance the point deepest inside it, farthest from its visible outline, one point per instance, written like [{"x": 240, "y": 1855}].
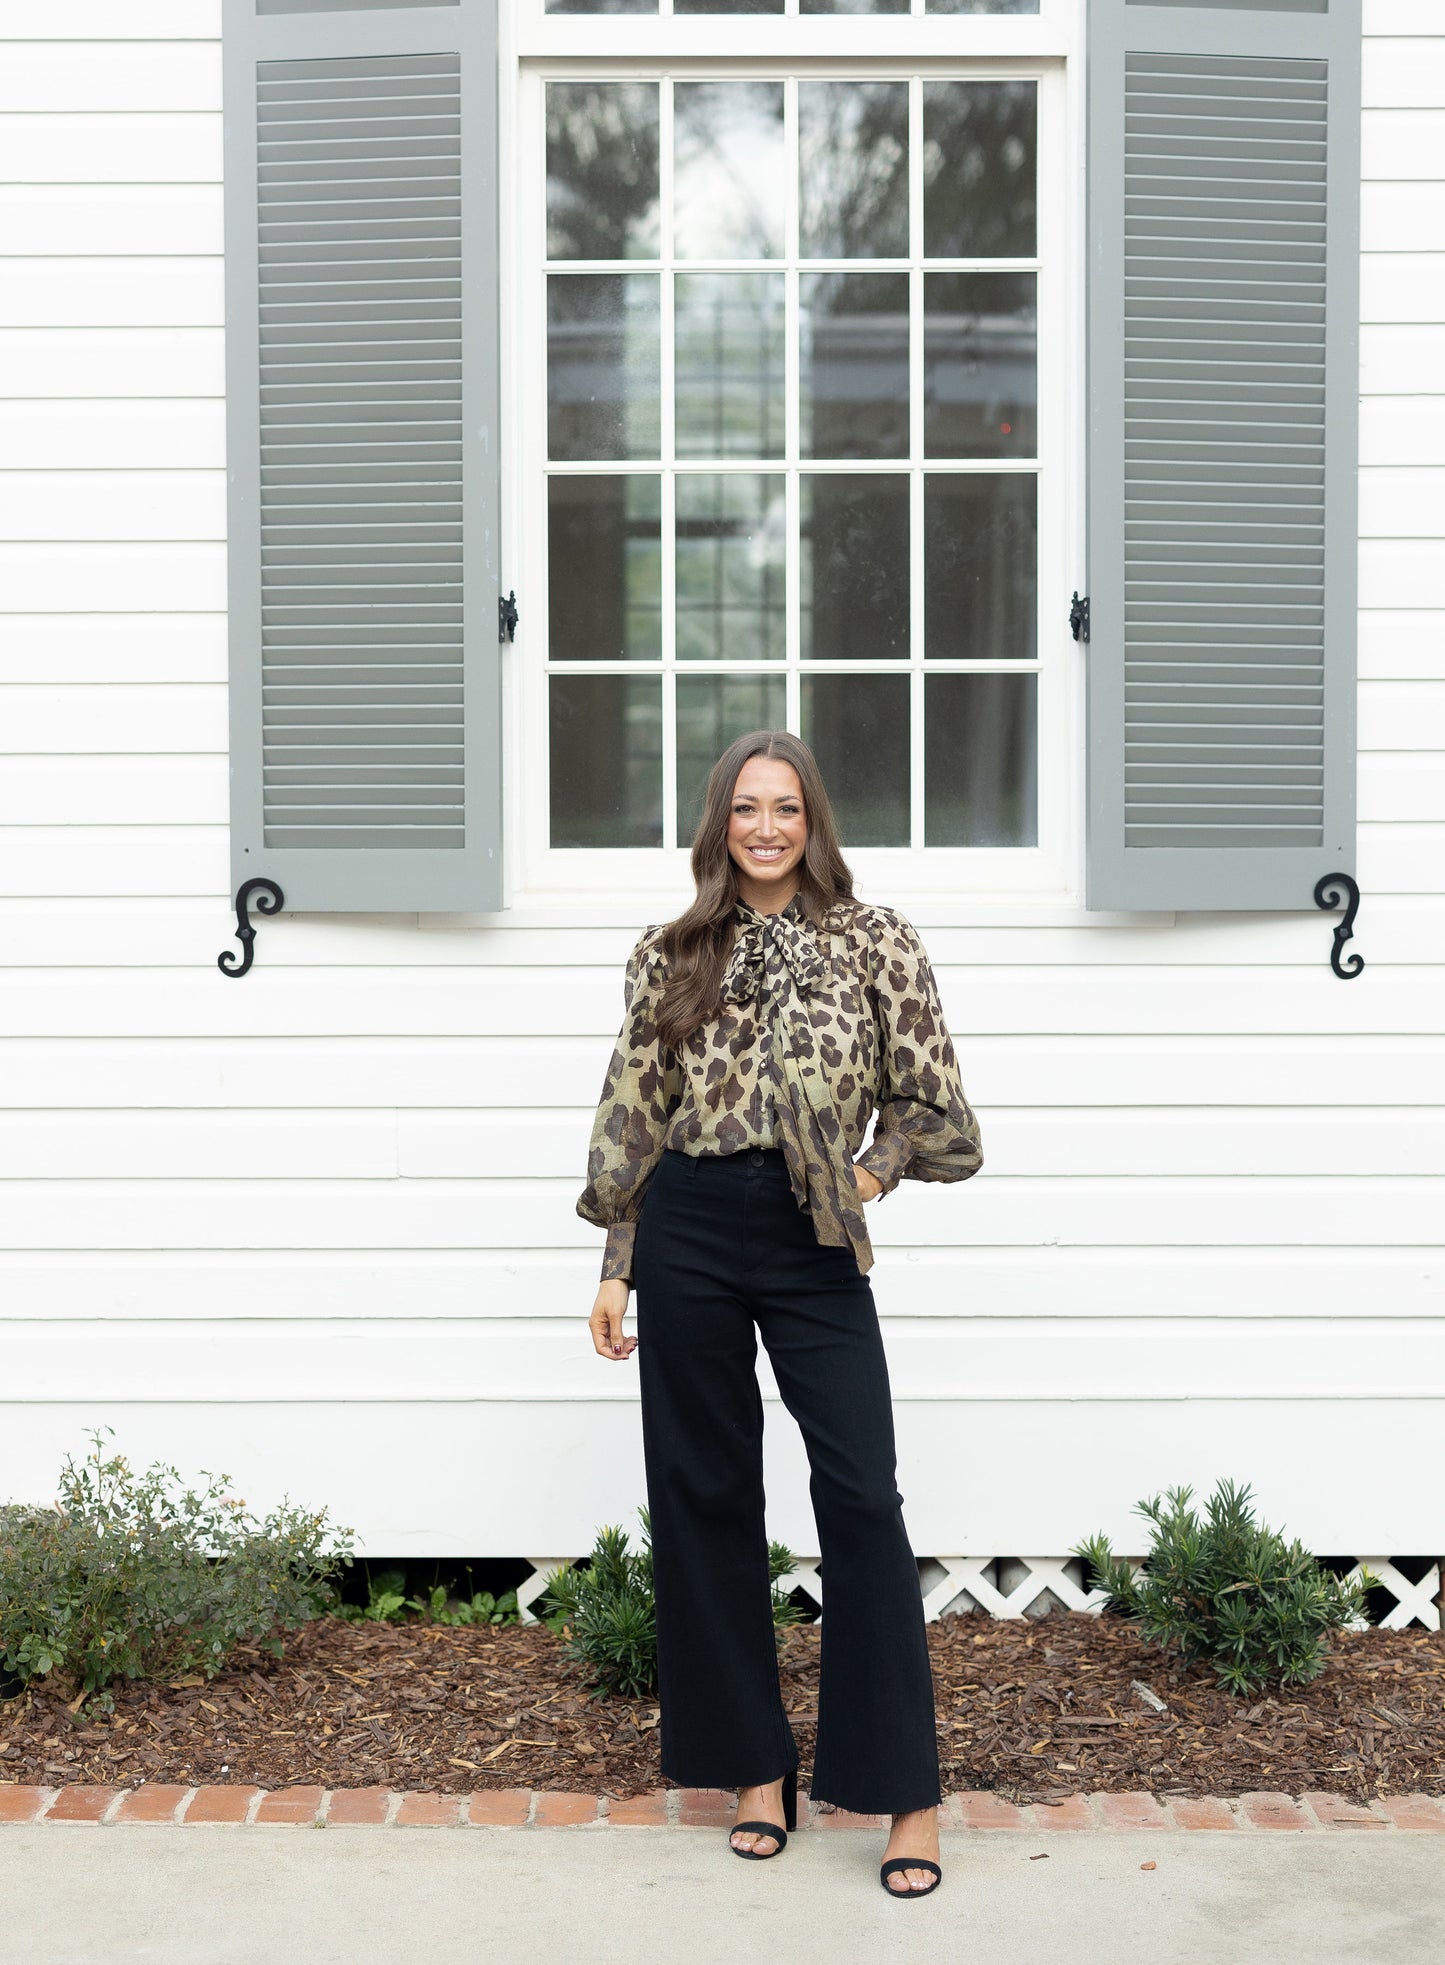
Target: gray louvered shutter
[
  {"x": 361, "y": 381},
  {"x": 1223, "y": 315}
]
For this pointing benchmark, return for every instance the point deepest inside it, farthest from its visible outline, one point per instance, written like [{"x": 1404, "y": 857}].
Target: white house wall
[{"x": 296, "y": 1227}]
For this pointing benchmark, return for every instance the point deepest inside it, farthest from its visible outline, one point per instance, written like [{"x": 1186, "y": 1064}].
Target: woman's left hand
[{"x": 869, "y": 1185}]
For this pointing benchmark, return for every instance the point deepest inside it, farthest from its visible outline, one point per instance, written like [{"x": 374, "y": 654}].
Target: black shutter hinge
[
  {"x": 1079, "y": 617},
  {"x": 507, "y": 617}
]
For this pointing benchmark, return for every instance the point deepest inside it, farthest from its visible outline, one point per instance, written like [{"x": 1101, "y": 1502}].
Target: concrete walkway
[{"x": 74, "y": 1895}]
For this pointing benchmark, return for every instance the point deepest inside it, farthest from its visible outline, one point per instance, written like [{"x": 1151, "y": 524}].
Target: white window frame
[{"x": 652, "y": 882}]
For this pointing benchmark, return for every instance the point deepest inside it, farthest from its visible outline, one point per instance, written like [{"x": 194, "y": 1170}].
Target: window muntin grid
[{"x": 769, "y": 516}]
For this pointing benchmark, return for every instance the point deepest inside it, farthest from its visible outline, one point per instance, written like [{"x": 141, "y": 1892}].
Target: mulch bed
[{"x": 1036, "y": 1711}]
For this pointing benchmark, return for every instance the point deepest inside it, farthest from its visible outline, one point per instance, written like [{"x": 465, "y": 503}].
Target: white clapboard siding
[
  {"x": 1205, "y": 1283},
  {"x": 501, "y": 1143},
  {"x": 140, "y": 1074},
  {"x": 263, "y": 1225}
]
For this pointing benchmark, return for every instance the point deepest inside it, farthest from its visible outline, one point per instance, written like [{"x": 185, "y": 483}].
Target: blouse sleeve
[
  {"x": 926, "y": 1129},
  {"x": 642, "y": 1088}
]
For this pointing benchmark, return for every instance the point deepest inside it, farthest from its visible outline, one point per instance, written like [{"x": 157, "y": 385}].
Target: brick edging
[{"x": 711, "y": 1808}]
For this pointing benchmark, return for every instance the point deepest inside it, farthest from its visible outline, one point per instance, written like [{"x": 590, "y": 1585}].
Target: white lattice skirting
[{"x": 1031, "y": 1586}]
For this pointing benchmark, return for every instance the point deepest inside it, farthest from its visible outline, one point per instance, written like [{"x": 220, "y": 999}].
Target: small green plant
[
  {"x": 606, "y": 1617},
  {"x": 388, "y": 1603},
  {"x": 1229, "y": 1591},
  {"x": 133, "y": 1575}
]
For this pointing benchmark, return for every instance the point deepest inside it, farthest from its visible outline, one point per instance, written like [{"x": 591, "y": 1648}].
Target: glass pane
[
  {"x": 604, "y": 554},
  {"x": 728, "y": 170},
  {"x": 979, "y": 147},
  {"x": 853, "y": 6},
  {"x": 602, "y": 197},
  {"x": 853, "y": 170},
  {"x": 711, "y": 711},
  {"x": 981, "y": 760},
  {"x": 980, "y": 548},
  {"x": 854, "y": 567},
  {"x": 730, "y": 567},
  {"x": 601, "y": 6},
  {"x": 980, "y": 364},
  {"x": 853, "y": 364},
  {"x": 604, "y": 366},
  {"x": 729, "y": 364},
  {"x": 984, "y": 6},
  {"x": 727, "y": 6},
  {"x": 858, "y": 727},
  {"x": 606, "y": 760}
]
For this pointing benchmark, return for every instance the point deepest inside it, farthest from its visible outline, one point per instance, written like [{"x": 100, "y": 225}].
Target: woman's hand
[
  {"x": 605, "y": 1323},
  {"x": 869, "y": 1185}
]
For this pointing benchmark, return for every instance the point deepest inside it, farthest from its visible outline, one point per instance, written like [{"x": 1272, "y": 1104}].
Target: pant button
[{"x": 755, "y": 1158}]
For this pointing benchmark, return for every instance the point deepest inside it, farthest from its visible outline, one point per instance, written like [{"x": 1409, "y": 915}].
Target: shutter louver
[
  {"x": 1222, "y": 326},
  {"x": 365, "y": 712}
]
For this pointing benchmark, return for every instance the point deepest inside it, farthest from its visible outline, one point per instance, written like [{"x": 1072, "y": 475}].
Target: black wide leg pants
[{"x": 722, "y": 1252}]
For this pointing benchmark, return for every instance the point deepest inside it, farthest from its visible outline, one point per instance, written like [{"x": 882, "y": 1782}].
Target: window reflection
[
  {"x": 980, "y": 785},
  {"x": 854, "y": 566},
  {"x": 979, "y": 150},
  {"x": 606, "y": 760},
  {"x": 604, "y": 557},
  {"x": 730, "y": 567},
  {"x": 858, "y": 728},
  {"x": 604, "y": 388},
  {"x": 980, "y": 364},
  {"x": 602, "y": 170},
  {"x": 980, "y": 547},
  {"x": 728, "y": 170},
  {"x": 853, "y": 170},
  {"x": 729, "y": 364}
]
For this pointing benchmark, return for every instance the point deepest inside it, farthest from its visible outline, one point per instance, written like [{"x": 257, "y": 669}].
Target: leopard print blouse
[{"x": 818, "y": 1024}]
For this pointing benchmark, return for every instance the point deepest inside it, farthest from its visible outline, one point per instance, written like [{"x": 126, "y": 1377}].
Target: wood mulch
[{"x": 1035, "y": 1710}]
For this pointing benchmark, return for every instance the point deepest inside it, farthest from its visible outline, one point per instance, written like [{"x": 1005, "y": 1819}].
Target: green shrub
[
  {"x": 130, "y": 1575},
  {"x": 605, "y": 1614},
  {"x": 1228, "y": 1591},
  {"x": 387, "y": 1603}
]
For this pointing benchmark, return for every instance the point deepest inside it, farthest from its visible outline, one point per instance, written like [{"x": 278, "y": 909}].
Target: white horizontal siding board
[
  {"x": 139, "y": 791},
  {"x": 359, "y": 1145},
  {"x": 323, "y": 1003},
  {"x": 180, "y": 435},
  {"x": 135, "y": 292},
  {"x": 1401, "y": 645},
  {"x": 81, "y": 860},
  {"x": 1344, "y": 1072},
  {"x": 1403, "y": 504},
  {"x": 1025, "y": 1141},
  {"x": 1400, "y": 572},
  {"x": 79, "y": 78},
  {"x": 1403, "y": 17},
  {"x": 131, "y": 577},
  {"x": 177, "y": 148},
  {"x": 1220, "y": 1285},
  {"x": 1402, "y": 430},
  {"x": 1402, "y": 286},
  {"x": 1402, "y": 144},
  {"x": 71, "y": 720},
  {"x": 1079, "y": 1210},
  {"x": 106, "y": 220},
  {"x": 113, "y": 361},
  {"x": 1406, "y": 359},
  {"x": 1400, "y": 786},
  {"x": 105, "y": 20},
  {"x": 1403, "y": 73},
  {"x": 1402, "y": 218},
  {"x": 1402, "y": 716},
  {"x": 930, "y": 1359},
  {"x": 168, "y": 506},
  {"x": 124, "y": 651},
  {"x": 1402, "y": 859},
  {"x": 422, "y": 1496}
]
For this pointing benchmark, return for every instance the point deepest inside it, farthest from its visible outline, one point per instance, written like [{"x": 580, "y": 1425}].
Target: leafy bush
[
  {"x": 130, "y": 1575},
  {"x": 1229, "y": 1591},
  {"x": 606, "y": 1615},
  {"x": 387, "y": 1603}
]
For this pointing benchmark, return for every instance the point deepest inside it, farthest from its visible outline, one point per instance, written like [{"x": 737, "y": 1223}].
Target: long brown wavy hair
[{"x": 696, "y": 945}]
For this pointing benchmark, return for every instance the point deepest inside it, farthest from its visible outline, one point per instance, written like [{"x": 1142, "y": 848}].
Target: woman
[{"x": 763, "y": 1026}]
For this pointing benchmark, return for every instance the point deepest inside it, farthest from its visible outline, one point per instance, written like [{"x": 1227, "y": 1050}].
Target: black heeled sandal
[
  {"x": 897, "y": 1863},
  {"x": 790, "y": 1817}
]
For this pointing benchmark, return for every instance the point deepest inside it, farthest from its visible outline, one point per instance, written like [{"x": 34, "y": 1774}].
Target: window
[{"x": 791, "y": 459}]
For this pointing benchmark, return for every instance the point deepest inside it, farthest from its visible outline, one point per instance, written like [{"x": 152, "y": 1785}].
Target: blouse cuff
[
  {"x": 887, "y": 1158},
  {"x": 617, "y": 1256}
]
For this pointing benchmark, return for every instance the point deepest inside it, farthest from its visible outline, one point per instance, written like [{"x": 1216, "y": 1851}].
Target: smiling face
[{"x": 767, "y": 832}]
